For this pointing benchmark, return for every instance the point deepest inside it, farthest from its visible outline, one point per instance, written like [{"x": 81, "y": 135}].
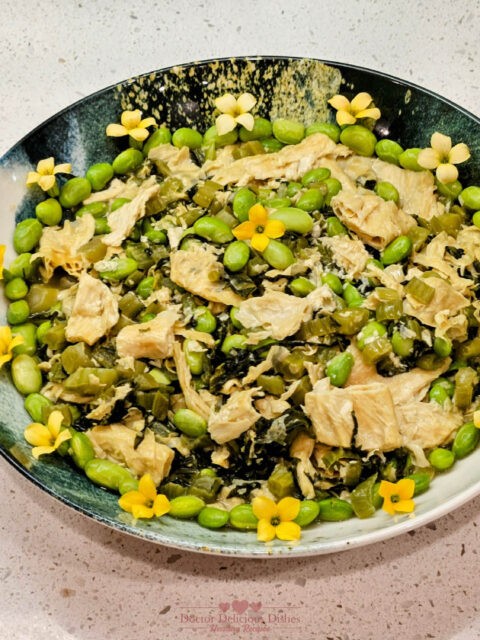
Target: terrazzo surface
[{"x": 64, "y": 577}]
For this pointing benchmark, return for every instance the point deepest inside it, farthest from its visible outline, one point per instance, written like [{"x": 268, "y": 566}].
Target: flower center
[
  {"x": 395, "y": 498},
  {"x": 260, "y": 229},
  {"x": 275, "y": 521}
]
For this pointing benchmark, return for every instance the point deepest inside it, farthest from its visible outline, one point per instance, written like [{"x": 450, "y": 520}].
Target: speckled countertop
[{"x": 64, "y": 577}]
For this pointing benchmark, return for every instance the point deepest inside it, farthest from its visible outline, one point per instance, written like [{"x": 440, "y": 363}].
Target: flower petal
[
  {"x": 405, "y": 488},
  {"x": 259, "y": 241},
  {"x": 161, "y": 505},
  {"x": 54, "y": 424},
  {"x": 459, "y": 153},
  {"x": 2, "y": 257},
  {"x": 46, "y": 182},
  {"x": 288, "y": 531},
  {"x": 146, "y": 122},
  {"x": 441, "y": 143},
  {"x": 288, "y": 508},
  {"x": 387, "y": 489},
  {"x": 476, "y": 418},
  {"x": 131, "y": 119},
  {"x": 226, "y": 103},
  {"x": 63, "y": 168},
  {"x": 447, "y": 173},
  {"x": 428, "y": 158},
  {"x": 388, "y": 506},
  {"x": 245, "y": 230},
  {"x": 37, "y": 435},
  {"x": 225, "y": 123},
  {"x": 405, "y": 506},
  {"x": 14, "y": 342},
  {"x": 139, "y": 134},
  {"x": 5, "y": 358},
  {"x": 360, "y": 102},
  {"x": 264, "y": 508},
  {"x": 344, "y": 117},
  {"x": 147, "y": 486},
  {"x": 141, "y": 511},
  {"x": 265, "y": 531},
  {"x": 32, "y": 178},
  {"x": 62, "y": 437},
  {"x": 373, "y": 113},
  {"x": 45, "y": 167},
  {"x": 339, "y": 102},
  {"x": 41, "y": 451},
  {"x": 246, "y": 120},
  {"x": 246, "y": 102},
  {"x": 130, "y": 499},
  {"x": 258, "y": 215},
  {"x": 116, "y": 130},
  {"x": 274, "y": 229}
]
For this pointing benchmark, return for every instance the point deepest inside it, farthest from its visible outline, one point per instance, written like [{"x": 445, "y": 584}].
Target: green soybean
[
  {"x": 42, "y": 330},
  {"x": 205, "y": 320},
  {"x": 352, "y": 296},
  {"x": 21, "y": 267},
  {"x": 49, "y": 212},
  {"x": 387, "y": 191},
  {"x": 466, "y": 440},
  {"x": 309, "y": 510},
  {"x": 211, "y": 137},
  {"x": 422, "y": 482},
  {"x": 81, "y": 449},
  {"x": 335, "y": 227},
  {"x": 145, "y": 287},
  {"x": 17, "y": 312},
  {"x": 242, "y": 517},
  {"x": 277, "y": 203},
  {"x": 329, "y": 129},
  {"x": 185, "y": 507},
  {"x": 335, "y": 510},
  {"x": 369, "y": 332},
  {"x": 441, "y": 459},
  {"x": 470, "y": 197},
  {"x": 161, "y": 136},
  {"x": 36, "y": 405},
  {"x": 26, "y": 375},
  {"x": 293, "y": 188},
  {"x": 388, "y": 151},
  {"x": 213, "y": 229},
  {"x": 442, "y": 347},
  {"x": 397, "y": 250},
  {"x": 190, "y": 423},
  {"x": 438, "y": 394},
  {"x": 117, "y": 269},
  {"x": 301, "y": 287},
  {"x": 408, "y": 159},
  {"x": 127, "y": 161},
  {"x": 360, "y": 139},
  {"x": 28, "y": 331},
  {"x": 96, "y": 209},
  {"x": 339, "y": 368},
  {"x": 187, "y": 137},
  {"x": 311, "y": 200},
  {"x": 213, "y": 518},
  {"x": 99, "y": 175},
  {"x": 119, "y": 202},
  {"x": 295, "y": 219},
  {"x": 16, "y": 289},
  {"x": 476, "y": 219},
  {"x": 278, "y": 255},
  {"x": 271, "y": 145},
  {"x": 107, "y": 474},
  {"x": 334, "y": 282},
  {"x": 194, "y": 357},
  {"x": 262, "y": 128},
  {"x": 450, "y": 190},
  {"x": 27, "y": 235},
  {"x": 74, "y": 191},
  {"x": 236, "y": 255},
  {"x": 288, "y": 131},
  {"x": 243, "y": 201},
  {"x": 334, "y": 186},
  {"x": 233, "y": 318},
  {"x": 315, "y": 175},
  {"x": 234, "y": 341}
]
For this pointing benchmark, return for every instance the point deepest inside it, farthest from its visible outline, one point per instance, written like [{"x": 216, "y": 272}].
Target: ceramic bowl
[{"x": 183, "y": 96}]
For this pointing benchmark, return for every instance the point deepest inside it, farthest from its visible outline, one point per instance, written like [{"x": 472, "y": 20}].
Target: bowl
[{"x": 183, "y": 96}]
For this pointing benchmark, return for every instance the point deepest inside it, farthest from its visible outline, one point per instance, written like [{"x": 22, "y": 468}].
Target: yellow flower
[
  {"x": 234, "y": 111},
  {"x": 7, "y": 344},
  {"x": 349, "y": 112},
  {"x": 132, "y": 125},
  {"x": 258, "y": 228},
  {"x": 397, "y": 496},
  {"x": 47, "y": 438},
  {"x": 476, "y": 418},
  {"x": 275, "y": 520},
  {"x": 145, "y": 503},
  {"x": 443, "y": 157},
  {"x": 44, "y": 176},
  {"x": 2, "y": 256}
]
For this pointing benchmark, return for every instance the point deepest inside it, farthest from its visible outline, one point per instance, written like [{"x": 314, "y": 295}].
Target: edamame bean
[
  {"x": 278, "y": 255},
  {"x": 17, "y": 312},
  {"x": 243, "y": 201},
  {"x": 311, "y": 200},
  {"x": 185, "y": 507},
  {"x": 387, "y": 191},
  {"x": 213, "y": 229},
  {"x": 466, "y": 440},
  {"x": 476, "y": 219},
  {"x": 369, "y": 332},
  {"x": 26, "y": 375},
  {"x": 438, "y": 394},
  {"x": 205, "y": 320},
  {"x": 27, "y": 235},
  {"x": 233, "y": 318},
  {"x": 271, "y": 145},
  {"x": 36, "y": 404},
  {"x": 42, "y": 330},
  {"x": 190, "y": 423},
  {"x": 402, "y": 346},
  {"x": 422, "y": 482},
  {"x": 236, "y": 255},
  {"x": 262, "y": 128},
  {"x": 187, "y": 137},
  {"x": 74, "y": 191},
  {"x": 161, "y": 136},
  {"x": 242, "y": 517},
  {"x": 441, "y": 459},
  {"x": 397, "y": 250},
  {"x": 213, "y": 518},
  {"x": 145, "y": 287},
  {"x": 450, "y": 190},
  {"x": 211, "y": 137},
  {"x": 408, "y": 159},
  {"x": 194, "y": 355},
  {"x": 294, "y": 219},
  {"x": 21, "y": 267},
  {"x": 16, "y": 289},
  {"x": 277, "y": 203},
  {"x": 127, "y": 161},
  {"x": 288, "y": 131},
  {"x": 330, "y": 129},
  {"x": 360, "y": 139},
  {"x": 315, "y": 175},
  {"x": 448, "y": 385},
  {"x": 116, "y": 269},
  {"x": 470, "y": 197},
  {"x": 49, "y": 212},
  {"x": 119, "y": 202},
  {"x": 388, "y": 151},
  {"x": 106, "y": 473},
  {"x": 334, "y": 186},
  {"x": 234, "y": 341},
  {"x": 335, "y": 227},
  {"x": 301, "y": 287},
  {"x": 334, "y": 282},
  {"x": 309, "y": 510},
  {"x": 334, "y": 510},
  {"x": 28, "y": 331},
  {"x": 339, "y": 368},
  {"x": 81, "y": 449},
  {"x": 99, "y": 175},
  {"x": 442, "y": 347},
  {"x": 352, "y": 296},
  {"x": 96, "y": 209}
]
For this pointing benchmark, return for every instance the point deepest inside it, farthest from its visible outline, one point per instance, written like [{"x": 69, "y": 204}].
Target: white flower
[
  {"x": 443, "y": 157},
  {"x": 234, "y": 111}
]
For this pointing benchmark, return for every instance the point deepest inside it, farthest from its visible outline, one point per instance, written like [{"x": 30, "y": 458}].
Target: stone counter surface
[{"x": 66, "y": 577}]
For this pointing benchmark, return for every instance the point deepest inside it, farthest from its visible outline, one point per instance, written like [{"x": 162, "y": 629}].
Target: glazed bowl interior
[{"x": 183, "y": 96}]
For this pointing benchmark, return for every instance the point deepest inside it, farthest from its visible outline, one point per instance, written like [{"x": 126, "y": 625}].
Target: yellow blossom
[
  {"x": 258, "y": 228},
  {"x": 47, "y": 438},
  {"x": 349, "y": 112},
  {"x": 2, "y": 256},
  {"x": 234, "y": 111},
  {"x": 476, "y": 418},
  {"x": 443, "y": 157},
  {"x": 132, "y": 125},
  {"x": 7, "y": 344},
  {"x": 145, "y": 503},
  {"x": 44, "y": 176},
  {"x": 397, "y": 496},
  {"x": 276, "y": 519}
]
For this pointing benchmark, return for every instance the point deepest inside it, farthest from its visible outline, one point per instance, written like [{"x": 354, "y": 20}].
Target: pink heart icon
[
  {"x": 255, "y": 606},
  {"x": 239, "y": 606},
  {"x": 224, "y": 606}
]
